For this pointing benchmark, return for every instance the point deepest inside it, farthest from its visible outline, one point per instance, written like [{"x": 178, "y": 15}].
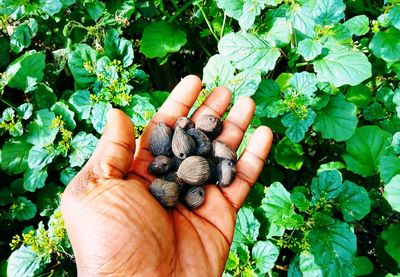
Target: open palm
[{"x": 115, "y": 225}]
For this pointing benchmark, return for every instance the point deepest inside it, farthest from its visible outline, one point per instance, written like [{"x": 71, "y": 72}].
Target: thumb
[{"x": 114, "y": 153}]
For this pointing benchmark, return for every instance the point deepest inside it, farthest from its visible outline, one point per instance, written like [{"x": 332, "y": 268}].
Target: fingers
[
  {"x": 249, "y": 166},
  {"x": 114, "y": 152},
  {"x": 177, "y": 104},
  {"x": 216, "y": 103},
  {"x": 237, "y": 121}
]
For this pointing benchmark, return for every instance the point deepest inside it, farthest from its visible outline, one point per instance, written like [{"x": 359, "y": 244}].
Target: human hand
[{"x": 115, "y": 225}]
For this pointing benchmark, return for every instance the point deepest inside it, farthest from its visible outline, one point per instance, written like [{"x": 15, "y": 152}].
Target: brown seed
[
  {"x": 182, "y": 144},
  {"x": 185, "y": 123},
  {"x": 209, "y": 124},
  {"x": 166, "y": 193},
  {"x": 222, "y": 151},
  {"x": 213, "y": 171},
  {"x": 160, "y": 165},
  {"x": 226, "y": 172},
  {"x": 194, "y": 171},
  {"x": 173, "y": 177},
  {"x": 194, "y": 197},
  {"x": 203, "y": 144},
  {"x": 176, "y": 163},
  {"x": 160, "y": 140}
]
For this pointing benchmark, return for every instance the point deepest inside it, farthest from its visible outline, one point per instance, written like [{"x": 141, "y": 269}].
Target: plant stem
[
  {"x": 8, "y": 103},
  {"x": 223, "y": 26},
  {"x": 301, "y": 64},
  {"x": 181, "y": 10},
  {"x": 205, "y": 49},
  {"x": 208, "y": 23}
]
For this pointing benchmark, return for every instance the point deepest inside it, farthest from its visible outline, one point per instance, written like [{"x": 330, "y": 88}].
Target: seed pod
[
  {"x": 160, "y": 140},
  {"x": 182, "y": 144},
  {"x": 226, "y": 172},
  {"x": 184, "y": 122},
  {"x": 176, "y": 163},
  {"x": 194, "y": 197},
  {"x": 222, "y": 151},
  {"x": 203, "y": 144},
  {"x": 166, "y": 193},
  {"x": 160, "y": 165},
  {"x": 209, "y": 124},
  {"x": 173, "y": 177},
  {"x": 213, "y": 171},
  {"x": 194, "y": 171}
]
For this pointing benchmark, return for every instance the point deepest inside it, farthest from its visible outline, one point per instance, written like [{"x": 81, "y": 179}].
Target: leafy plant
[{"x": 323, "y": 74}]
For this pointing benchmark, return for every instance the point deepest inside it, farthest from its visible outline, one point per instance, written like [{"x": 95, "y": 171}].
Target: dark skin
[{"x": 115, "y": 225}]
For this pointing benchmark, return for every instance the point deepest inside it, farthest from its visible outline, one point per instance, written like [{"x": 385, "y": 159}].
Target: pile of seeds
[{"x": 186, "y": 158}]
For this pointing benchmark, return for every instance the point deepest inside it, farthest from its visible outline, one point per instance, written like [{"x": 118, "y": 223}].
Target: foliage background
[{"x": 324, "y": 75}]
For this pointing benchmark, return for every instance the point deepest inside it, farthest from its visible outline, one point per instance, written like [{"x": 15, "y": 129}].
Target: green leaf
[
  {"x": 217, "y": 72},
  {"x": 23, "y": 209},
  {"x": 300, "y": 201},
  {"x": 82, "y": 146},
  {"x": 279, "y": 33},
  {"x": 365, "y": 149},
  {"x": 297, "y": 126},
  {"x": 246, "y": 228},
  {"x": 34, "y": 179},
  {"x": 99, "y": 116},
  {"x": 95, "y": 9},
  {"x": 248, "y": 51},
  {"x": 334, "y": 248},
  {"x": 160, "y": 38},
  {"x": 20, "y": 38},
  {"x": 303, "y": 21},
  {"x": 140, "y": 110},
  {"x": 44, "y": 96},
  {"x": 392, "y": 241},
  {"x": 392, "y": 193},
  {"x": 67, "y": 175},
  {"x": 232, "y": 8},
  {"x": 51, "y": 7},
  {"x": 267, "y": 93},
  {"x": 23, "y": 262},
  {"x": 80, "y": 101},
  {"x": 308, "y": 266},
  {"x": 278, "y": 206},
  {"x": 396, "y": 142},
  {"x": 343, "y": 67},
  {"x": 41, "y": 132},
  {"x": 329, "y": 11},
  {"x": 245, "y": 83},
  {"x": 327, "y": 185},
  {"x": 394, "y": 16},
  {"x": 359, "y": 95},
  {"x": 251, "y": 9},
  {"x": 386, "y": 45},
  {"x": 117, "y": 48},
  {"x": 353, "y": 202},
  {"x": 358, "y": 25},
  {"x": 389, "y": 166},
  {"x": 40, "y": 157},
  {"x": 264, "y": 253},
  {"x": 304, "y": 83},
  {"x": 29, "y": 65},
  {"x": 309, "y": 49},
  {"x": 25, "y": 110},
  {"x": 60, "y": 109},
  {"x": 232, "y": 262},
  {"x": 289, "y": 154},
  {"x": 338, "y": 120},
  {"x": 14, "y": 156},
  {"x": 82, "y": 56},
  {"x": 363, "y": 266}
]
